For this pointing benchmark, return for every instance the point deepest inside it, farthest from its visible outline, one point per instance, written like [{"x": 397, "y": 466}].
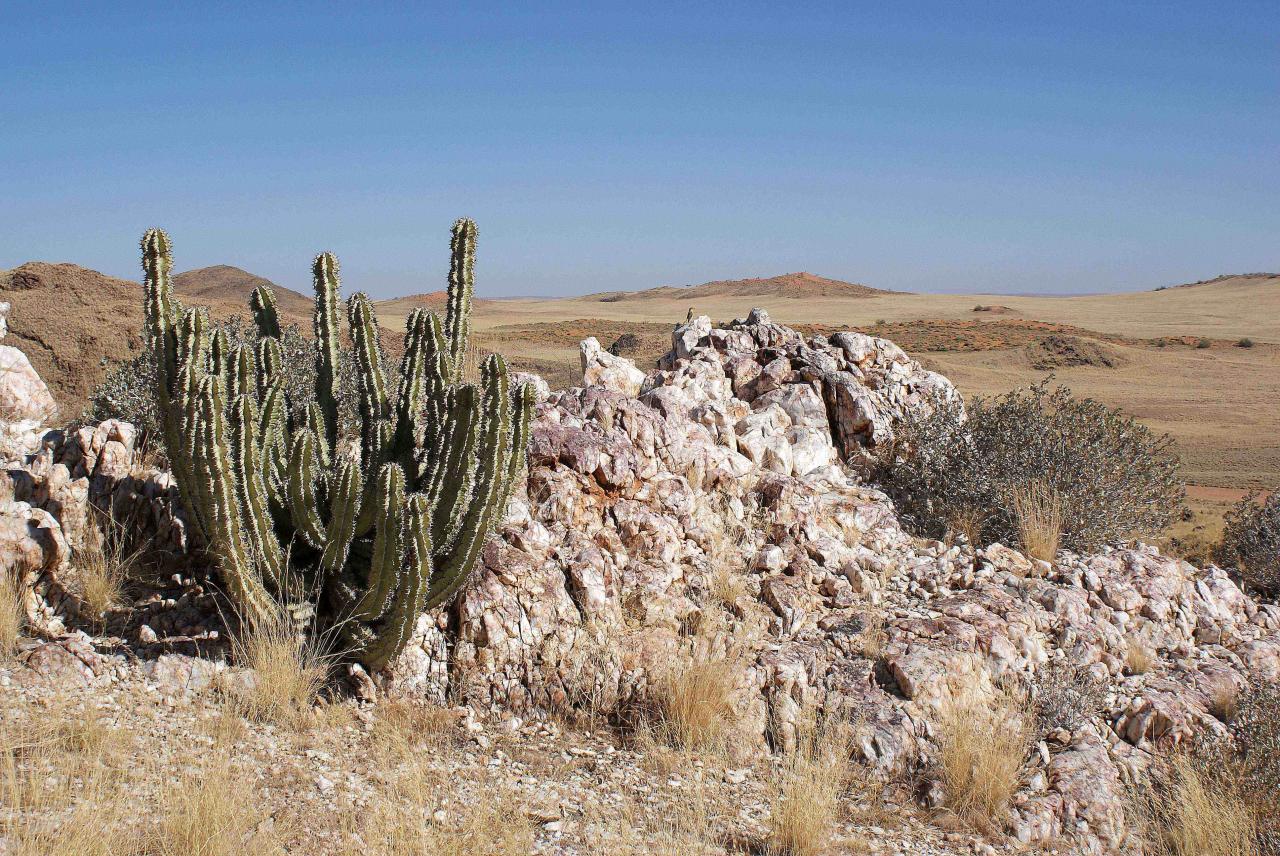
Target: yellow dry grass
[
  {"x": 209, "y": 811},
  {"x": 806, "y": 802},
  {"x": 1197, "y": 812},
  {"x": 981, "y": 749},
  {"x": 692, "y": 705},
  {"x": 1039, "y": 515},
  {"x": 103, "y": 564},
  {"x": 287, "y": 673},
  {"x": 1138, "y": 657},
  {"x": 11, "y": 611},
  {"x": 60, "y": 785}
]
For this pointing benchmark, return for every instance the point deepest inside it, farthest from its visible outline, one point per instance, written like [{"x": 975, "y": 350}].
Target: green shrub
[
  {"x": 1251, "y": 543},
  {"x": 1114, "y": 478},
  {"x": 1245, "y": 343},
  {"x": 1203, "y": 344}
]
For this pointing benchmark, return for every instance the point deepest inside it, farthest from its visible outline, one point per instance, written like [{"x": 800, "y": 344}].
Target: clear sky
[{"x": 944, "y": 146}]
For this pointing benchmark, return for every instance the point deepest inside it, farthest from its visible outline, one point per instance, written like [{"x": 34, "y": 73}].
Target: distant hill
[
  {"x": 788, "y": 285},
  {"x": 224, "y": 286},
  {"x": 1240, "y": 279},
  {"x": 432, "y": 300},
  {"x": 74, "y": 323}
]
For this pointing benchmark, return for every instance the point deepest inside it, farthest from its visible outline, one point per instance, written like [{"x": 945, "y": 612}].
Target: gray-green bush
[
  {"x": 961, "y": 466},
  {"x": 1251, "y": 543}
]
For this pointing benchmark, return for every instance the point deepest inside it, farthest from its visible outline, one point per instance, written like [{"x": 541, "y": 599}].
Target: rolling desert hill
[
  {"x": 226, "y": 286},
  {"x": 788, "y": 285}
]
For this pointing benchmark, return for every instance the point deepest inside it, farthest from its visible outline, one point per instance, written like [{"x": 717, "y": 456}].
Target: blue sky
[{"x": 1022, "y": 147}]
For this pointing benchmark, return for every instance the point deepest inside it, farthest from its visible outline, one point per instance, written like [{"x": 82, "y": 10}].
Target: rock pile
[{"x": 711, "y": 511}]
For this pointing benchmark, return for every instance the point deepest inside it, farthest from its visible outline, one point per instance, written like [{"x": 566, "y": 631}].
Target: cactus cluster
[{"x": 357, "y": 538}]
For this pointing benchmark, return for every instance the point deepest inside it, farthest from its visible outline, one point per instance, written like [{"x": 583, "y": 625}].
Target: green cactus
[{"x": 376, "y": 532}]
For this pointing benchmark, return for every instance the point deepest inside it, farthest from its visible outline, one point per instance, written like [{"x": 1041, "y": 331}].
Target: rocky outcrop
[
  {"x": 26, "y": 406},
  {"x": 712, "y": 511}
]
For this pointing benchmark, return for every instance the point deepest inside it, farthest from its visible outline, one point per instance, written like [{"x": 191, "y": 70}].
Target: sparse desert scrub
[
  {"x": 1139, "y": 658},
  {"x": 1193, "y": 809},
  {"x": 60, "y": 787},
  {"x": 1113, "y": 478},
  {"x": 211, "y": 810},
  {"x": 406, "y": 726},
  {"x": 1251, "y": 544},
  {"x": 873, "y": 635},
  {"x": 691, "y": 827},
  {"x": 403, "y": 818},
  {"x": 806, "y": 800},
  {"x": 103, "y": 565},
  {"x": 1065, "y": 695},
  {"x": 982, "y": 745}
]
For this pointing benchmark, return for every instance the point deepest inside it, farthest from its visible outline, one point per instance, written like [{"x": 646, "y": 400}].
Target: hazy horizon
[{"x": 1011, "y": 148}]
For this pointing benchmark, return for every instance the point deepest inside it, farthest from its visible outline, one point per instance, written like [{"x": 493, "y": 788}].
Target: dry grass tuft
[
  {"x": 1196, "y": 811},
  {"x": 874, "y": 635},
  {"x": 287, "y": 674},
  {"x": 12, "y": 615},
  {"x": 969, "y": 521},
  {"x": 1038, "y": 510},
  {"x": 104, "y": 565},
  {"x": 806, "y": 804},
  {"x": 1138, "y": 656},
  {"x": 403, "y": 820},
  {"x": 406, "y": 725},
  {"x": 691, "y": 827},
  {"x": 981, "y": 749},
  {"x": 693, "y": 707}
]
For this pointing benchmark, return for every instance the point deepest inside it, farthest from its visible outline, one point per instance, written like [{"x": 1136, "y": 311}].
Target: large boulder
[{"x": 26, "y": 405}]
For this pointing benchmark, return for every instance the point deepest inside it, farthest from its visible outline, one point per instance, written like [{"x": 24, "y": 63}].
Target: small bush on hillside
[
  {"x": 1251, "y": 543},
  {"x": 128, "y": 391},
  {"x": 1112, "y": 477},
  {"x": 1245, "y": 343},
  {"x": 1065, "y": 695},
  {"x": 1203, "y": 344}
]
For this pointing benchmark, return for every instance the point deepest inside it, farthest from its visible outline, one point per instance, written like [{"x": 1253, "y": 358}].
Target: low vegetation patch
[
  {"x": 286, "y": 677},
  {"x": 1112, "y": 477},
  {"x": 11, "y": 611}
]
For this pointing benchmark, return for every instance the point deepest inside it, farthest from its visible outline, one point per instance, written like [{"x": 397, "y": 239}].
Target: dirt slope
[{"x": 74, "y": 323}]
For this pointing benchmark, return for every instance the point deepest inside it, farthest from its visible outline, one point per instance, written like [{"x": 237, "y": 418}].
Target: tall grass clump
[
  {"x": 287, "y": 672},
  {"x": 691, "y": 706},
  {"x": 1038, "y": 512},
  {"x": 1112, "y": 477},
  {"x": 981, "y": 749},
  {"x": 104, "y": 564},
  {"x": 806, "y": 802},
  {"x": 11, "y": 612}
]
